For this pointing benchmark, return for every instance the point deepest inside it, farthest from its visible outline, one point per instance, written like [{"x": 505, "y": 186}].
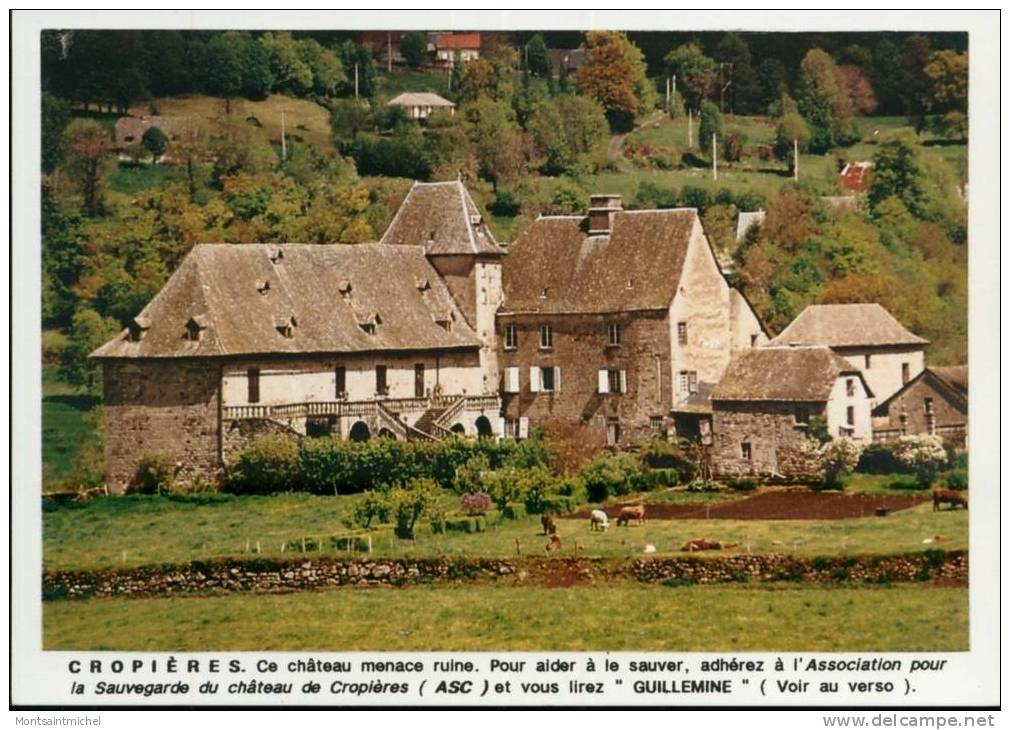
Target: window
[
  {"x": 613, "y": 381},
  {"x": 802, "y": 415},
  {"x": 547, "y": 380},
  {"x": 681, "y": 333},
  {"x": 511, "y": 380},
  {"x": 253, "y": 377},
  {"x": 850, "y": 416},
  {"x": 655, "y": 422},
  {"x": 381, "y": 386},
  {"x": 867, "y": 361},
  {"x": 753, "y": 340},
  {"x": 614, "y": 334},
  {"x": 340, "y": 381},
  {"x": 687, "y": 381},
  {"x": 904, "y": 373},
  {"x": 745, "y": 451},
  {"x": 613, "y": 431},
  {"x": 546, "y": 336},
  {"x": 850, "y": 387},
  {"x": 511, "y": 338}
]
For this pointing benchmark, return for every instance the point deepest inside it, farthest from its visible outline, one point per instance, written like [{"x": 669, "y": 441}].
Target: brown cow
[
  {"x": 702, "y": 543},
  {"x": 553, "y": 544},
  {"x": 627, "y": 514},
  {"x": 547, "y": 522},
  {"x": 948, "y": 496}
]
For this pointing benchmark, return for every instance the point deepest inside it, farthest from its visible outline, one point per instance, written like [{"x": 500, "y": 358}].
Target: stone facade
[
  {"x": 580, "y": 350},
  {"x": 762, "y": 439},
  {"x": 924, "y": 406},
  {"x": 163, "y": 409}
]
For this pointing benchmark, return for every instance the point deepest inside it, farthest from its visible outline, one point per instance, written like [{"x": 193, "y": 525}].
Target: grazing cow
[
  {"x": 702, "y": 543},
  {"x": 636, "y": 513},
  {"x": 948, "y": 496},
  {"x": 548, "y": 524},
  {"x": 553, "y": 544},
  {"x": 598, "y": 520}
]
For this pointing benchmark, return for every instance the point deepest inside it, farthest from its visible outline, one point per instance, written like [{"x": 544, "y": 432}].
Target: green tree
[
  {"x": 257, "y": 79},
  {"x": 327, "y": 70},
  {"x": 155, "y": 141},
  {"x": 89, "y": 144},
  {"x": 89, "y": 331},
  {"x": 568, "y": 133},
  {"x": 822, "y": 101},
  {"x": 222, "y": 69},
  {"x": 897, "y": 172},
  {"x": 695, "y": 72},
  {"x": 711, "y": 124},
  {"x": 348, "y": 117},
  {"x": 414, "y": 48},
  {"x": 947, "y": 82},
  {"x": 613, "y": 73},
  {"x": 239, "y": 147},
  {"x": 55, "y": 118},
  {"x": 290, "y": 71},
  {"x": 538, "y": 58},
  {"x": 791, "y": 127},
  {"x": 356, "y": 58}
]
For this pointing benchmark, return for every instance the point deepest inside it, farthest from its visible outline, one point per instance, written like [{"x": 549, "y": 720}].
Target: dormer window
[
  {"x": 630, "y": 284},
  {"x": 543, "y": 293},
  {"x": 263, "y": 286},
  {"x": 344, "y": 287},
  {"x": 286, "y": 326},
  {"x": 276, "y": 255},
  {"x": 195, "y": 327},
  {"x": 475, "y": 219},
  {"x": 138, "y": 328},
  {"x": 423, "y": 285},
  {"x": 369, "y": 324},
  {"x": 444, "y": 320}
]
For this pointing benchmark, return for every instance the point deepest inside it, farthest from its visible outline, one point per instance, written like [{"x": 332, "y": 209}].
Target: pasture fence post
[
  {"x": 519, "y": 552},
  {"x": 369, "y": 543},
  {"x": 247, "y": 544},
  {"x": 124, "y": 556},
  {"x": 257, "y": 546}
]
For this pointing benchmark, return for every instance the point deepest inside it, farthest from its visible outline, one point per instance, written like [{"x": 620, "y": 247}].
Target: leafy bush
[
  {"x": 470, "y": 477},
  {"x": 267, "y": 465},
  {"x": 681, "y": 455},
  {"x": 957, "y": 479},
  {"x": 505, "y": 203},
  {"x": 924, "y": 455},
  {"x": 610, "y": 475},
  {"x": 408, "y": 503},
  {"x": 817, "y": 429},
  {"x": 838, "y": 456},
  {"x": 475, "y": 503},
  {"x": 535, "y": 488},
  {"x": 373, "y": 507},
  {"x": 879, "y": 458},
  {"x": 702, "y": 485},
  {"x": 746, "y": 484},
  {"x": 154, "y": 475}
]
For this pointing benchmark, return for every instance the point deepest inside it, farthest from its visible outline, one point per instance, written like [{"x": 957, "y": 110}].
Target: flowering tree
[
  {"x": 923, "y": 454},
  {"x": 838, "y": 457}
]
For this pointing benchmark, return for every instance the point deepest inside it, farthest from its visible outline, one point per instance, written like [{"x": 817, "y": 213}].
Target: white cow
[{"x": 598, "y": 520}]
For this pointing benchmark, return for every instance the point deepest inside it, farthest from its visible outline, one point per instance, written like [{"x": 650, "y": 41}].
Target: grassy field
[
  {"x": 405, "y": 79},
  {"x": 303, "y": 119},
  {"x": 137, "y": 530},
  {"x": 64, "y": 424},
  {"x": 624, "y": 616}
]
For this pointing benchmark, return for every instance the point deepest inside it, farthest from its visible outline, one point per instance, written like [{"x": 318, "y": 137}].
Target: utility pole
[
  {"x": 715, "y": 164},
  {"x": 689, "y": 143},
  {"x": 796, "y": 159},
  {"x": 355, "y": 81},
  {"x": 284, "y": 139},
  {"x": 668, "y": 94}
]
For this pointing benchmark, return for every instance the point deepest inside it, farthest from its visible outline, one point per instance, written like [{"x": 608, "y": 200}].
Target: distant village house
[
  {"x": 855, "y": 177},
  {"x": 422, "y": 105},
  {"x": 447, "y": 47}
]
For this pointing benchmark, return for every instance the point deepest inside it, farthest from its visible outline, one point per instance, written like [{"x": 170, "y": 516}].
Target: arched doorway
[
  {"x": 459, "y": 429},
  {"x": 359, "y": 432},
  {"x": 484, "y": 429}
]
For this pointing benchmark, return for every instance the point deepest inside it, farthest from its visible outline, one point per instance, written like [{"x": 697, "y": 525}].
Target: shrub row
[{"x": 276, "y": 463}]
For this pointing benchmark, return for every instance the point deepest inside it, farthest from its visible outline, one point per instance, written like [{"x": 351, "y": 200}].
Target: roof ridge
[{"x": 466, "y": 214}]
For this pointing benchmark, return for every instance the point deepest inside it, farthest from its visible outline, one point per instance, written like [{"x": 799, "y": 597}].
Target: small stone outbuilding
[{"x": 934, "y": 402}]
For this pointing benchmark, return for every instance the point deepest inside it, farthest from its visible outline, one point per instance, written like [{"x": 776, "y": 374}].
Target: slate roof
[
  {"x": 846, "y": 325},
  {"x": 134, "y": 127},
  {"x": 557, "y": 267},
  {"x": 244, "y": 294},
  {"x": 439, "y": 217},
  {"x": 804, "y": 374},
  {"x": 955, "y": 377},
  {"x": 423, "y": 98}
]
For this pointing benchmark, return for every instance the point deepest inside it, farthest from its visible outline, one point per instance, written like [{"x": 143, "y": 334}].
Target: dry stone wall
[{"x": 309, "y": 574}]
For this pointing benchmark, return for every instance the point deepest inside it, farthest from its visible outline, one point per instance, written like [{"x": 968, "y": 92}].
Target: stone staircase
[{"x": 427, "y": 422}]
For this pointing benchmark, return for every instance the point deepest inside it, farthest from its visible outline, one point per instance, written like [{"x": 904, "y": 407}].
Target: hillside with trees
[{"x": 289, "y": 137}]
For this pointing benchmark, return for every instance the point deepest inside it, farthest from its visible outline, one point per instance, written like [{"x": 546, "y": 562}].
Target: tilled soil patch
[{"x": 777, "y": 504}]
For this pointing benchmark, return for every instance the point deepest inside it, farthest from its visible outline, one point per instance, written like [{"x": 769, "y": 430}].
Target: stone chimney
[{"x": 602, "y": 209}]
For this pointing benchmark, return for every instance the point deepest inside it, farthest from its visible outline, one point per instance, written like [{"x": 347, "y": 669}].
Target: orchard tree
[
  {"x": 89, "y": 331},
  {"x": 614, "y": 74},
  {"x": 154, "y": 141},
  {"x": 414, "y": 48},
  {"x": 88, "y": 143},
  {"x": 897, "y": 172},
  {"x": 711, "y": 124},
  {"x": 348, "y": 117}
]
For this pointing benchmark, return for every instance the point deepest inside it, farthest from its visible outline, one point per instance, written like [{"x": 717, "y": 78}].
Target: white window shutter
[
  {"x": 557, "y": 379},
  {"x": 624, "y": 381},
  {"x": 604, "y": 382},
  {"x": 501, "y": 428},
  {"x": 524, "y": 427},
  {"x": 534, "y": 380},
  {"x": 511, "y": 380}
]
